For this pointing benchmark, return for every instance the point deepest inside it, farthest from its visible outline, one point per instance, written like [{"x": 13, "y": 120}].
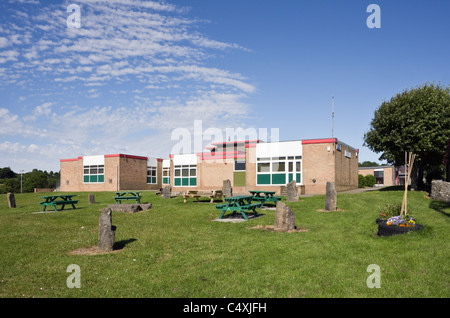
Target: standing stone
[
  {"x": 91, "y": 198},
  {"x": 106, "y": 231},
  {"x": 292, "y": 191},
  {"x": 167, "y": 192},
  {"x": 226, "y": 188},
  {"x": 440, "y": 190},
  {"x": 11, "y": 200},
  {"x": 331, "y": 197},
  {"x": 284, "y": 217}
]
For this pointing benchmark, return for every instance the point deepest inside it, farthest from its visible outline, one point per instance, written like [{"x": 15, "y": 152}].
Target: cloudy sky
[{"x": 135, "y": 71}]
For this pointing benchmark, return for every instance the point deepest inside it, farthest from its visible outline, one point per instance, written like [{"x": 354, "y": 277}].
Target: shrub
[
  {"x": 361, "y": 181},
  {"x": 369, "y": 180}
]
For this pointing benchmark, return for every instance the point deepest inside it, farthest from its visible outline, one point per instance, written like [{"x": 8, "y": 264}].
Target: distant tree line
[{"x": 10, "y": 180}]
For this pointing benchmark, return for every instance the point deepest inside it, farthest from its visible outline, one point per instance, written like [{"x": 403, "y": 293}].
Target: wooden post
[{"x": 409, "y": 162}]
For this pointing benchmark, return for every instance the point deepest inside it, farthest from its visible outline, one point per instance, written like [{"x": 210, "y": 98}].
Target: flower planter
[{"x": 389, "y": 230}]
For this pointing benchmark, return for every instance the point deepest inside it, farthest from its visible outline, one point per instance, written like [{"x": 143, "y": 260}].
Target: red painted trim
[
  {"x": 159, "y": 159},
  {"x": 250, "y": 146},
  {"x": 235, "y": 142},
  {"x": 126, "y": 156},
  {"x": 319, "y": 141},
  {"x": 67, "y": 160},
  {"x": 171, "y": 156}
]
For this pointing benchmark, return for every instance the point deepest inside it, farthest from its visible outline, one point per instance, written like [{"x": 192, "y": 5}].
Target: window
[
  {"x": 278, "y": 170},
  {"x": 379, "y": 176},
  {"x": 185, "y": 176},
  {"x": 239, "y": 165},
  {"x": 166, "y": 175},
  {"x": 151, "y": 175},
  {"x": 94, "y": 174}
]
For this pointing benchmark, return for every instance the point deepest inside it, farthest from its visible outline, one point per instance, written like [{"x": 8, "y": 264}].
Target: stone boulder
[
  {"x": 106, "y": 231},
  {"x": 284, "y": 218},
  {"x": 292, "y": 191},
  {"x": 440, "y": 190},
  {"x": 130, "y": 208},
  {"x": 227, "y": 189},
  {"x": 331, "y": 197},
  {"x": 167, "y": 192},
  {"x": 11, "y": 200},
  {"x": 91, "y": 198}
]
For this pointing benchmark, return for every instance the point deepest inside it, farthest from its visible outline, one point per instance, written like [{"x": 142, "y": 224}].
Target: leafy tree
[
  {"x": 7, "y": 173},
  {"x": 368, "y": 164},
  {"x": 417, "y": 121}
]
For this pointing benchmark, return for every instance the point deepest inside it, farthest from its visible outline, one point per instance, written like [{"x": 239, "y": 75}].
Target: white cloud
[{"x": 132, "y": 73}]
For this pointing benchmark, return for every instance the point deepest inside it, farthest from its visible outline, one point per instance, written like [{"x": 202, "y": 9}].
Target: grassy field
[{"x": 175, "y": 250}]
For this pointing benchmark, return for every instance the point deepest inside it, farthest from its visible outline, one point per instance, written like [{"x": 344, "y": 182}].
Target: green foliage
[
  {"x": 390, "y": 210},
  {"x": 369, "y": 180},
  {"x": 417, "y": 121},
  {"x": 30, "y": 180},
  {"x": 368, "y": 164},
  {"x": 361, "y": 181}
]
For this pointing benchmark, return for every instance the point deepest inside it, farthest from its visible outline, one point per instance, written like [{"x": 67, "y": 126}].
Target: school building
[
  {"x": 249, "y": 165},
  {"x": 385, "y": 175}
]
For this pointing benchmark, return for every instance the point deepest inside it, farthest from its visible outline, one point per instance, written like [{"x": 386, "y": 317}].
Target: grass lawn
[{"x": 175, "y": 250}]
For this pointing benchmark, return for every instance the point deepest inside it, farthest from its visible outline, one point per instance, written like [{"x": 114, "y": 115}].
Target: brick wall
[
  {"x": 346, "y": 168},
  {"x": 318, "y": 167}
]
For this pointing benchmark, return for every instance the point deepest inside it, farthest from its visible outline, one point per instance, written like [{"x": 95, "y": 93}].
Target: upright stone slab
[
  {"x": 227, "y": 189},
  {"x": 331, "y": 197},
  {"x": 167, "y": 192},
  {"x": 284, "y": 218},
  {"x": 91, "y": 198},
  {"x": 106, "y": 231},
  {"x": 11, "y": 200},
  {"x": 292, "y": 191}
]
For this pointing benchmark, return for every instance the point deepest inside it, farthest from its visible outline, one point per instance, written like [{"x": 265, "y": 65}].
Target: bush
[
  {"x": 361, "y": 181},
  {"x": 369, "y": 180}
]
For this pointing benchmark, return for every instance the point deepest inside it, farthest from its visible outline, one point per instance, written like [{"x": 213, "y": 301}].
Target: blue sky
[{"x": 135, "y": 71}]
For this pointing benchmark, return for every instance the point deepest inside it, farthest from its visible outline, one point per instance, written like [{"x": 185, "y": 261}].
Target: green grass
[{"x": 175, "y": 250}]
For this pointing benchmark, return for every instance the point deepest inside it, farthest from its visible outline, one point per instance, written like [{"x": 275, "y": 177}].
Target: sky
[{"x": 151, "y": 78}]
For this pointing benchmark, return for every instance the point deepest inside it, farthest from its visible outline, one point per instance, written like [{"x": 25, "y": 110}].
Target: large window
[
  {"x": 94, "y": 174},
  {"x": 379, "y": 176},
  {"x": 151, "y": 175},
  {"x": 185, "y": 176},
  {"x": 166, "y": 175},
  {"x": 278, "y": 170}
]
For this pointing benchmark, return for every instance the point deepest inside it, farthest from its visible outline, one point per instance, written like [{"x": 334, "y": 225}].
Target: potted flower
[
  {"x": 391, "y": 222},
  {"x": 394, "y": 218}
]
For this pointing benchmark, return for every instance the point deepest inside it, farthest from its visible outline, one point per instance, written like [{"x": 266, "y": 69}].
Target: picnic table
[
  {"x": 242, "y": 204},
  {"x": 59, "y": 199},
  {"x": 128, "y": 195},
  {"x": 196, "y": 194},
  {"x": 264, "y": 196}
]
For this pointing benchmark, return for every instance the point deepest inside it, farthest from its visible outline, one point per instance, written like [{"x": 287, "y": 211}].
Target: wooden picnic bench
[
  {"x": 214, "y": 194},
  {"x": 239, "y": 204},
  {"x": 52, "y": 200},
  {"x": 264, "y": 196},
  {"x": 124, "y": 196}
]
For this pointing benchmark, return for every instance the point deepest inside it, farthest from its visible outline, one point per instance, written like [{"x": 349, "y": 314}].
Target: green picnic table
[
  {"x": 60, "y": 199},
  {"x": 239, "y": 204},
  {"x": 128, "y": 195},
  {"x": 264, "y": 196}
]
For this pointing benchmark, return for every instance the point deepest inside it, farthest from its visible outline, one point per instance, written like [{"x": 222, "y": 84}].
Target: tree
[
  {"x": 368, "y": 164},
  {"x": 417, "y": 121}
]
